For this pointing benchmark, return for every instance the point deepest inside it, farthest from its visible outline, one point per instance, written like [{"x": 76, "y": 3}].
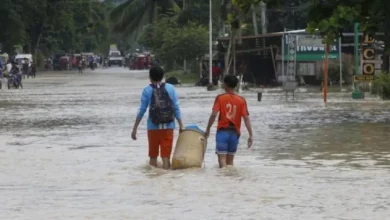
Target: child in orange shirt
[{"x": 231, "y": 108}]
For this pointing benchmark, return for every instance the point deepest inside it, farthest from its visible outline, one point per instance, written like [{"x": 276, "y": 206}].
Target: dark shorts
[{"x": 227, "y": 142}]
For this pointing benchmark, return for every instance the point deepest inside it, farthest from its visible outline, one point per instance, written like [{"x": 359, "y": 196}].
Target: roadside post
[{"x": 356, "y": 94}]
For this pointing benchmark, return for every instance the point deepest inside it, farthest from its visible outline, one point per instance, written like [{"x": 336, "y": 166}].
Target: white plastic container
[{"x": 190, "y": 149}]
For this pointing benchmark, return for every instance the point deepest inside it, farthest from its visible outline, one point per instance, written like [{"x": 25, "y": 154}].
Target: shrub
[{"x": 381, "y": 86}]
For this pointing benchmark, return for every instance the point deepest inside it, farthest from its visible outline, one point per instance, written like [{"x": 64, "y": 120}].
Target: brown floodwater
[{"x": 66, "y": 153}]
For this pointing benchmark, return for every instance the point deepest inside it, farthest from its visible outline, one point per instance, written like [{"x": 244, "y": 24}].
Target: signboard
[
  {"x": 369, "y": 55},
  {"x": 309, "y": 48},
  {"x": 364, "y": 77},
  {"x": 289, "y": 82}
]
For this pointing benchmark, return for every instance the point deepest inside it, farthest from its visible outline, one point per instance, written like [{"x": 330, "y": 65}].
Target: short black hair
[
  {"x": 230, "y": 81},
  {"x": 156, "y": 74}
]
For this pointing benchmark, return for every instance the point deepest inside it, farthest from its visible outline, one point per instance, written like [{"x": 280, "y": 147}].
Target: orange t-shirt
[{"x": 231, "y": 108}]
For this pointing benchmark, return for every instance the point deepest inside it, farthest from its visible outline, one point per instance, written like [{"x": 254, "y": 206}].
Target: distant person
[
  {"x": 216, "y": 72},
  {"x": 231, "y": 108},
  {"x": 33, "y": 69},
  {"x": 9, "y": 66},
  {"x": 105, "y": 62},
  {"x": 25, "y": 68},
  {"x": 16, "y": 71},
  {"x": 1, "y": 73},
  {"x": 163, "y": 104},
  {"x": 80, "y": 65},
  {"x": 90, "y": 60}
]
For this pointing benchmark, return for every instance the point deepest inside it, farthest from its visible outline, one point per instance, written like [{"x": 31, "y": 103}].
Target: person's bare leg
[
  {"x": 153, "y": 162},
  {"x": 222, "y": 160},
  {"x": 229, "y": 160},
  {"x": 166, "y": 163}
]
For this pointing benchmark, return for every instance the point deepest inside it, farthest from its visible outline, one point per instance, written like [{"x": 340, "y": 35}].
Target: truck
[{"x": 114, "y": 56}]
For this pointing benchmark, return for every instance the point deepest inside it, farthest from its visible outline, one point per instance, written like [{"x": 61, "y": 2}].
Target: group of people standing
[{"x": 93, "y": 63}]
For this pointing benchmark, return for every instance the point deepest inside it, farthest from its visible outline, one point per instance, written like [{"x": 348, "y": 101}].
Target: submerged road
[{"x": 66, "y": 153}]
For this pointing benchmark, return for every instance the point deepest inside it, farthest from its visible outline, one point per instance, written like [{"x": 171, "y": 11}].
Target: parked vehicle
[
  {"x": 57, "y": 60},
  {"x": 138, "y": 61},
  {"x": 86, "y": 55},
  {"x": 20, "y": 59},
  {"x": 75, "y": 60},
  {"x": 65, "y": 63},
  {"x": 114, "y": 56},
  {"x": 141, "y": 61}
]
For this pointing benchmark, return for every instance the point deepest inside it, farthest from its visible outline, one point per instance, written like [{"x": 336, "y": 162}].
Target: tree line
[
  {"x": 165, "y": 26},
  {"x": 177, "y": 30},
  {"x": 47, "y": 26}
]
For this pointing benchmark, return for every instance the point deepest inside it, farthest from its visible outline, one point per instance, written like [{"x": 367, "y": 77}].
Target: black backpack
[{"x": 161, "y": 110}]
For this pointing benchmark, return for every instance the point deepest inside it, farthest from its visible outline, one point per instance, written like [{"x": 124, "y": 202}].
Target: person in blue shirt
[{"x": 163, "y": 104}]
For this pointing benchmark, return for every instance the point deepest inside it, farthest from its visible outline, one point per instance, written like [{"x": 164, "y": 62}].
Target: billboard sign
[{"x": 309, "y": 47}]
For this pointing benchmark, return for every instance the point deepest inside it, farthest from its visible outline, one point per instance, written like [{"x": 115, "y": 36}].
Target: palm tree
[{"x": 130, "y": 17}]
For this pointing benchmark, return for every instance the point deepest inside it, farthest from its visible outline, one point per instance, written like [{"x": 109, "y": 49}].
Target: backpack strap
[{"x": 154, "y": 86}]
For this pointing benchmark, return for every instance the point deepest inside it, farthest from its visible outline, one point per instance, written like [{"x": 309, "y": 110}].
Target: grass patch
[{"x": 185, "y": 78}]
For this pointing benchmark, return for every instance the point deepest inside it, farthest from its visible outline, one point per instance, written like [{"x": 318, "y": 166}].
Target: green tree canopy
[
  {"x": 50, "y": 25},
  {"x": 130, "y": 17},
  {"x": 330, "y": 18},
  {"x": 173, "y": 43}
]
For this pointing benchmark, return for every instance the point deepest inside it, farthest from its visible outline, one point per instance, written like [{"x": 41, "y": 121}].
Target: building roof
[
  {"x": 278, "y": 34},
  {"x": 275, "y": 34}
]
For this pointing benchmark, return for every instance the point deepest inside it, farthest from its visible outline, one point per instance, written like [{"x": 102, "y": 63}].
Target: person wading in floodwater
[
  {"x": 231, "y": 108},
  {"x": 80, "y": 65},
  {"x": 163, "y": 104}
]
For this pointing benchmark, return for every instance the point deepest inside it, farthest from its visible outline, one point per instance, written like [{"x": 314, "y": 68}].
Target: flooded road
[{"x": 66, "y": 153}]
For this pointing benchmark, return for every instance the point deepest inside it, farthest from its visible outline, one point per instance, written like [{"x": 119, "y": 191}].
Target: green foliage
[
  {"x": 334, "y": 73},
  {"x": 186, "y": 43},
  {"x": 381, "y": 86},
  {"x": 51, "y": 25},
  {"x": 198, "y": 13},
  {"x": 331, "y": 23},
  {"x": 242, "y": 7},
  {"x": 334, "y": 16},
  {"x": 173, "y": 43},
  {"x": 132, "y": 16}
]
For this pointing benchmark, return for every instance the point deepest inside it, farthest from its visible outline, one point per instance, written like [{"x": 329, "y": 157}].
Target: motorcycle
[{"x": 14, "y": 81}]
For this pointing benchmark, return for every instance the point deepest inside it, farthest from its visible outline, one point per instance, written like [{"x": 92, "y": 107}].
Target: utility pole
[
  {"x": 263, "y": 17},
  {"x": 254, "y": 18},
  {"x": 264, "y": 24},
  {"x": 211, "y": 43}
]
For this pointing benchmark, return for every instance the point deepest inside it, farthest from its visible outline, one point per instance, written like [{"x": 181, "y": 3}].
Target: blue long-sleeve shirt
[{"x": 145, "y": 102}]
